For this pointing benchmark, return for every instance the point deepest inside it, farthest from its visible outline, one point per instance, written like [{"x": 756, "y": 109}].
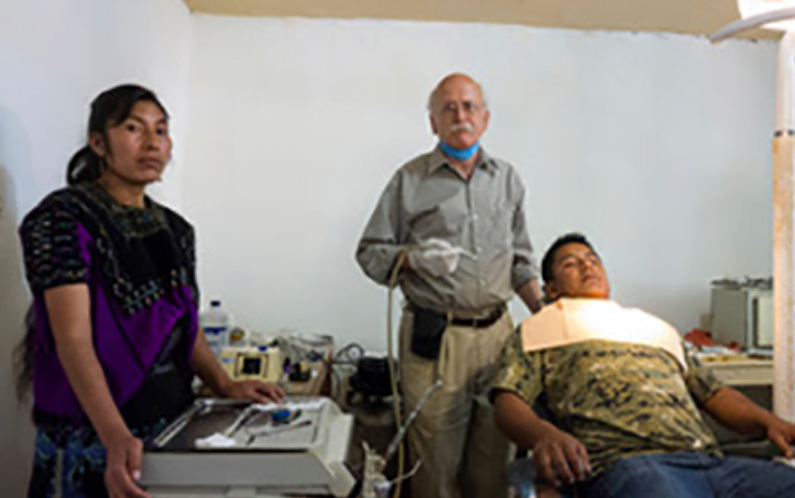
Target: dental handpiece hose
[{"x": 393, "y": 445}]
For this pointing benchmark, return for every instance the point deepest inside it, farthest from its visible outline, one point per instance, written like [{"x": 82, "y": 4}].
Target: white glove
[{"x": 436, "y": 257}]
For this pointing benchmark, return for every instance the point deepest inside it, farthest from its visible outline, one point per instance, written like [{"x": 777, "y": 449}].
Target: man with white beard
[{"x": 451, "y": 224}]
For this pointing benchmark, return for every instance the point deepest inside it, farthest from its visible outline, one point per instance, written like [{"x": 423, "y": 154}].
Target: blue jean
[{"x": 693, "y": 475}]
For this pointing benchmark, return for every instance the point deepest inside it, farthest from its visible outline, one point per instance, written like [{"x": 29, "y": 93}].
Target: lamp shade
[{"x": 749, "y": 8}]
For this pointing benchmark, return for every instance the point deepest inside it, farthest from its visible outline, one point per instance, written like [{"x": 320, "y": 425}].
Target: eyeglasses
[{"x": 468, "y": 107}]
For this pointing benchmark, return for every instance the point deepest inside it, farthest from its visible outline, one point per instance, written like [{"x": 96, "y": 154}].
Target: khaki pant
[{"x": 462, "y": 452}]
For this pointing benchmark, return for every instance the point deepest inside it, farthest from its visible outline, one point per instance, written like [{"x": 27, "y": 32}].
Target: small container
[
  {"x": 216, "y": 323},
  {"x": 238, "y": 337}
]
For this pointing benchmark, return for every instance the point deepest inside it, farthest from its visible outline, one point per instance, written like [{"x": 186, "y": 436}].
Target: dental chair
[{"x": 520, "y": 475}]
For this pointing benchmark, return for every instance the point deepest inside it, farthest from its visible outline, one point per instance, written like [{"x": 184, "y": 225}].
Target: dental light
[{"x": 779, "y": 15}]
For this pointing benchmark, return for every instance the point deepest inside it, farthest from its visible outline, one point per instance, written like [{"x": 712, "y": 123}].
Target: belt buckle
[{"x": 483, "y": 321}]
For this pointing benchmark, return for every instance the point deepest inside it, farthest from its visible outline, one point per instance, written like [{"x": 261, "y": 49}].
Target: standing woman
[{"x": 113, "y": 340}]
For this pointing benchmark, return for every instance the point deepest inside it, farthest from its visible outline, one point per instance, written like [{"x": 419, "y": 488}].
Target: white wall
[
  {"x": 55, "y": 56},
  {"x": 656, "y": 146}
]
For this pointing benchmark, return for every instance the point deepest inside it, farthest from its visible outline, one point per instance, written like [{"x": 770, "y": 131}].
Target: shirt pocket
[
  {"x": 499, "y": 226},
  {"x": 441, "y": 221}
]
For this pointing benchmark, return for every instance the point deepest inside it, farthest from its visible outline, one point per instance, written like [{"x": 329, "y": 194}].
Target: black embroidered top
[{"x": 139, "y": 265}]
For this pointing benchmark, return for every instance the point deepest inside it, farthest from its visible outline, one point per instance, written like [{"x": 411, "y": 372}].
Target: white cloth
[
  {"x": 216, "y": 440},
  {"x": 569, "y": 321},
  {"x": 435, "y": 256}
]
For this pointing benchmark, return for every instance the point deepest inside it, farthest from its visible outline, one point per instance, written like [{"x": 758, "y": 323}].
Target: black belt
[{"x": 477, "y": 323}]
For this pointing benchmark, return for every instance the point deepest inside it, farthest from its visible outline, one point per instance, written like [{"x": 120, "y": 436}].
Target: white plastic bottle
[{"x": 216, "y": 323}]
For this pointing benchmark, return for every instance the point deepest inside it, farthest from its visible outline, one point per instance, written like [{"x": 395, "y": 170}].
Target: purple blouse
[{"x": 139, "y": 266}]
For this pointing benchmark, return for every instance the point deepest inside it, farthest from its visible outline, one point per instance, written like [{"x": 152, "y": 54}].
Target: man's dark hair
[{"x": 549, "y": 256}]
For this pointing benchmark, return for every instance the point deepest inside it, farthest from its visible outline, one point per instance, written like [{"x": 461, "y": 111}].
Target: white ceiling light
[{"x": 752, "y": 8}]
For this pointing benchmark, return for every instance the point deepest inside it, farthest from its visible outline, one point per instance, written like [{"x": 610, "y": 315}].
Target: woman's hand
[
  {"x": 206, "y": 365},
  {"x": 123, "y": 468},
  {"x": 253, "y": 390}
]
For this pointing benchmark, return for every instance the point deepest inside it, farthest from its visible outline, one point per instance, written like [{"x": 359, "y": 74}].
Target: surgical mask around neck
[{"x": 459, "y": 154}]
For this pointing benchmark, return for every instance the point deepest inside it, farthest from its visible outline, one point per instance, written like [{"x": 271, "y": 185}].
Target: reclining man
[{"x": 624, "y": 396}]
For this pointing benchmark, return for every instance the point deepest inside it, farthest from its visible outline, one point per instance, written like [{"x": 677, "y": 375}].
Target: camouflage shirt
[{"x": 618, "y": 399}]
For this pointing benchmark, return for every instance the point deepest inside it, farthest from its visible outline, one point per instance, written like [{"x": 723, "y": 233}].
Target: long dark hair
[
  {"x": 24, "y": 353},
  {"x": 109, "y": 108}
]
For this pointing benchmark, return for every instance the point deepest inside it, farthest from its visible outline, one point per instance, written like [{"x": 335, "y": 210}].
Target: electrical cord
[{"x": 349, "y": 354}]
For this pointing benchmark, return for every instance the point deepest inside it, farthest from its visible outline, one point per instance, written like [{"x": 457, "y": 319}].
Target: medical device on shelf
[{"x": 252, "y": 362}]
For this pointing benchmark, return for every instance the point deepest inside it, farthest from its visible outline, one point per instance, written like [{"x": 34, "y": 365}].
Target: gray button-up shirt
[{"x": 426, "y": 198}]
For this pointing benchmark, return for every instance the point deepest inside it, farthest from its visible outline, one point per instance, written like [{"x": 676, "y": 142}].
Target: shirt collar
[{"x": 438, "y": 159}]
